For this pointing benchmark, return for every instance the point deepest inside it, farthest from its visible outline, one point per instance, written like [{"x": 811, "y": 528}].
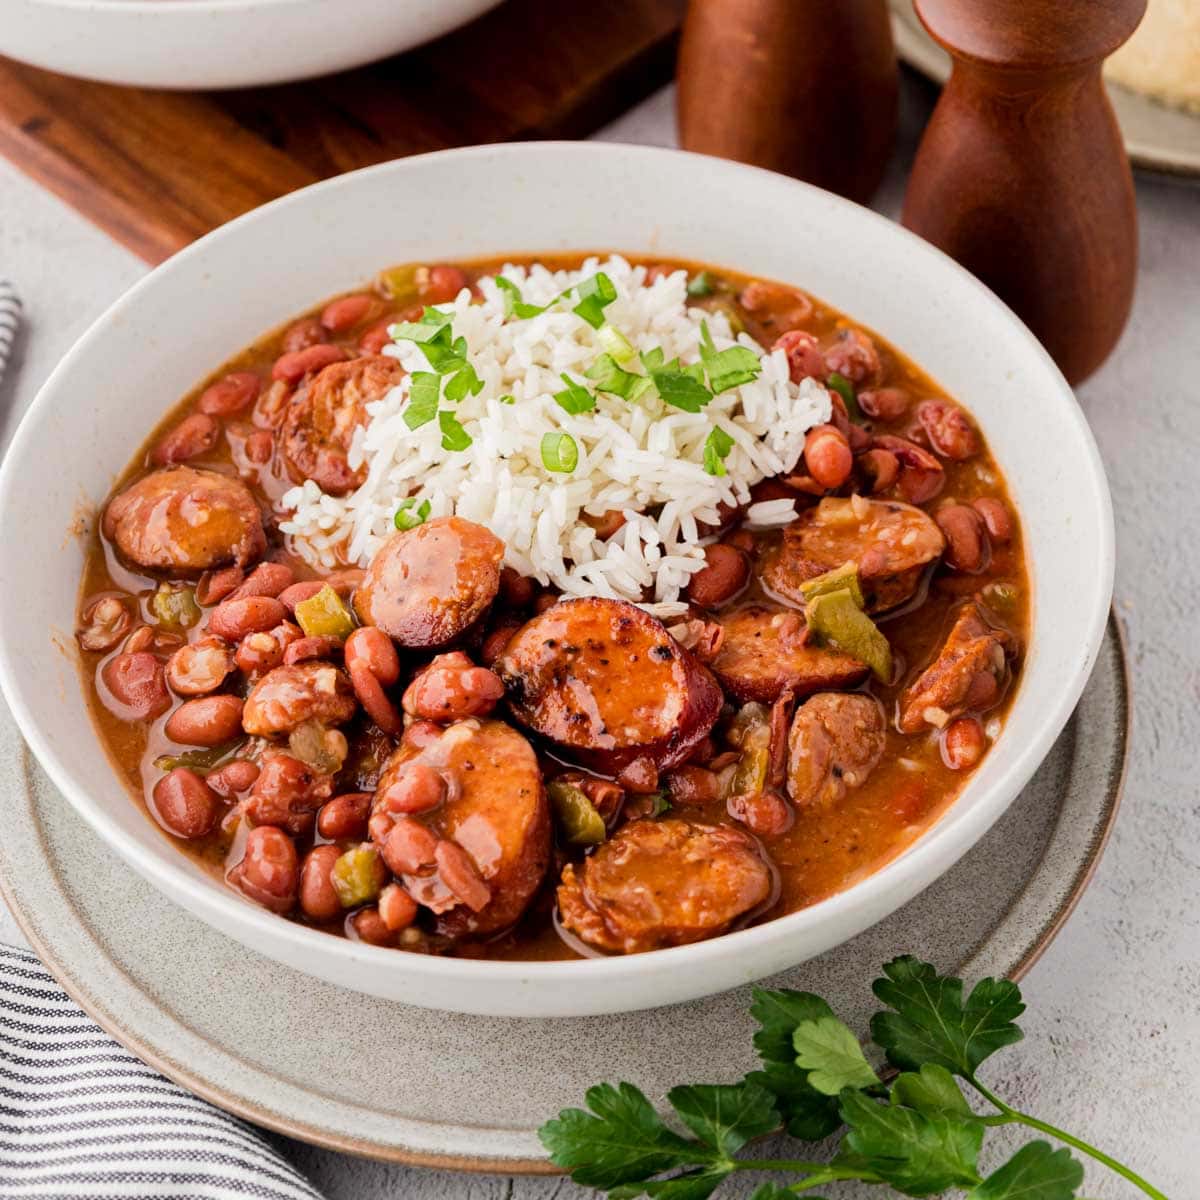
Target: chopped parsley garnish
[
  {"x": 700, "y": 285},
  {"x": 508, "y": 398},
  {"x": 575, "y": 398},
  {"x": 409, "y": 518},
  {"x": 716, "y": 449},
  {"x": 595, "y": 294},
  {"x": 454, "y": 436},
  {"x": 680, "y": 386},
  {"x": 727, "y": 368},
  {"x": 424, "y": 392},
  {"x": 559, "y": 452},
  {"x": 514, "y": 306},
  {"x": 845, "y": 389}
]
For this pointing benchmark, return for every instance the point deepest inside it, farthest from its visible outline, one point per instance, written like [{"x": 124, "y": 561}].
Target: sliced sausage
[
  {"x": 495, "y": 810},
  {"x": 186, "y": 520},
  {"x": 664, "y": 883},
  {"x": 428, "y": 585},
  {"x": 969, "y": 674},
  {"x": 606, "y": 681},
  {"x": 765, "y": 653},
  {"x": 288, "y": 696},
  {"x": 835, "y": 742},
  {"x": 322, "y": 417},
  {"x": 891, "y": 543}
]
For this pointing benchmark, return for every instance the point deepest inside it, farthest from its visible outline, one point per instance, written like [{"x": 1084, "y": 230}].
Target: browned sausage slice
[
  {"x": 606, "y": 681},
  {"x": 891, "y": 542},
  {"x": 664, "y": 883},
  {"x": 186, "y": 520},
  {"x": 764, "y": 654},
  {"x": 836, "y": 741},
  {"x": 496, "y": 810},
  {"x": 969, "y": 674},
  {"x": 427, "y": 586},
  {"x": 321, "y": 419},
  {"x": 289, "y": 696}
]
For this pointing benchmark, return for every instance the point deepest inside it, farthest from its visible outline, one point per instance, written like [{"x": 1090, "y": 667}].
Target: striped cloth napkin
[{"x": 10, "y": 318}]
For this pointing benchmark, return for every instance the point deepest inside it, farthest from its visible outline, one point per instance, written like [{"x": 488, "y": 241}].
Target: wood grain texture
[{"x": 158, "y": 169}]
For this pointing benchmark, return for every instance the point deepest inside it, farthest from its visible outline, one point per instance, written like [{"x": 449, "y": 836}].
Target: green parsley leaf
[
  {"x": 559, "y": 452},
  {"x": 652, "y": 359},
  {"x": 622, "y": 1140},
  {"x": 832, "y": 1056},
  {"x": 916, "y": 1154},
  {"x": 514, "y": 305},
  {"x": 454, "y": 436},
  {"x": 508, "y": 398},
  {"x": 595, "y": 295},
  {"x": 680, "y": 386},
  {"x": 610, "y": 377},
  {"x": 716, "y": 449},
  {"x": 727, "y": 368},
  {"x": 406, "y": 518},
  {"x": 1036, "y": 1172},
  {"x": 659, "y": 803},
  {"x": 725, "y": 1116},
  {"x": 931, "y": 1024},
  {"x": 700, "y": 284},
  {"x": 423, "y": 396},
  {"x": 575, "y": 399},
  {"x": 845, "y": 389},
  {"x": 442, "y": 351},
  {"x": 690, "y": 1185},
  {"x": 809, "y": 1114},
  {"x": 932, "y": 1090},
  {"x": 463, "y": 383}
]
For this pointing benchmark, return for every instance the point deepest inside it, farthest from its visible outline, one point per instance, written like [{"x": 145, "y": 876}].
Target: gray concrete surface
[{"x": 1113, "y": 1029}]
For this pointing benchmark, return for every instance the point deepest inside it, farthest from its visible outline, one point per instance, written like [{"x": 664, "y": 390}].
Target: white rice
[{"x": 644, "y": 459}]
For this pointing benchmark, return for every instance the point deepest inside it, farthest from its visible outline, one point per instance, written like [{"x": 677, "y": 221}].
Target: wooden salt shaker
[
  {"x": 809, "y": 89},
  {"x": 1022, "y": 175}
]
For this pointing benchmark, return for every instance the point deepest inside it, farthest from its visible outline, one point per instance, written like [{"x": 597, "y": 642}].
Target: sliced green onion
[
  {"x": 575, "y": 398},
  {"x": 845, "y": 389},
  {"x": 659, "y": 804},
  {"x": 700, "y": 285},
  {"x": 559, "y": 452},
  {"x": 454, "y": 436},
  {"x": 716, "y": 449},
  {"x": 595, "y": 295},
  {"x": 508, "y": 398},
  {"x": 609, "y": 377},
  {"x": 514, "y": 306},
  {"x": 617, "y": 344},
  {"x": 728, "y": 368},
  {"x": 423, "y": 398},
  {"x": 407, "y": 518}
]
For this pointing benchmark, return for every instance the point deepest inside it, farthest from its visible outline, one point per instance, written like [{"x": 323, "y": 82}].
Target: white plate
[
  {"x": 210, "y": 300},
  {"x": 219, "y": 43}
]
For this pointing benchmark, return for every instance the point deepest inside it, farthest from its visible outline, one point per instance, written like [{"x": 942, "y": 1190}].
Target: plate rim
[{"x": 303, "y": 1131}]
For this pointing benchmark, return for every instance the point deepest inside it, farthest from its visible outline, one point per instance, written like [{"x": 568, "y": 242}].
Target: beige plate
[
  {"x": 361, "y": 1075},
  {"x": 1157, "y": 137}
]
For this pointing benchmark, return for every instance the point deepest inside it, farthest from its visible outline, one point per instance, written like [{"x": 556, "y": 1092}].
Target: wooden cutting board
[{"x": 158, "y": 169}]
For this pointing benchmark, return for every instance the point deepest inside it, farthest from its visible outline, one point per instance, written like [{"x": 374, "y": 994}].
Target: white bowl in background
[
  {"x": 215, "y": 297},
  {"x": 220, "y": 43}
]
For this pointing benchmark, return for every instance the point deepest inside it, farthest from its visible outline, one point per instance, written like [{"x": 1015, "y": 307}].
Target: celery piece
[
  {"x": 400, "y": 283},
  {"x": 357, "y": 877},
  {"x": 175, "y": 608},
  {"x": 843, "y": 578},
  {"x": 325, "y": 615},
  {"x": 581, "y": 823},
  {"x": 836, "y": 620},
  {"x": 198, "y": 760}
]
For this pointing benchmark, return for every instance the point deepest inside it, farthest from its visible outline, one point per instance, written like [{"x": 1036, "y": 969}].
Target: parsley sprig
[{"x": 918, "y": 1134}]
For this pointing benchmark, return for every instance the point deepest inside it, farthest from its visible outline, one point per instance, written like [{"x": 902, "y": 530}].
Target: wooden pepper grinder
[
  {"x": 1021, "y": 174},
  {"x": 809, "y": 89}
]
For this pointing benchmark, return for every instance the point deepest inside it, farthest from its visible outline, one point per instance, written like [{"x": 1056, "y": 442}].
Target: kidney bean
[
  {"x": 418, "y": 789},
  {"x": 397, "y": 908},
  {"x": 229, "y": 395},
  {"x": 269, "y": 871},
  {"x": 304, "y": 334},
  {"x": 267, "y": 579},
  {"x": 409, "y": 848},
  {"x": 881, "y": 468},
  {"x": 544, "y": 601},
  {"x": 345, "y": 579},
  {"x": 318, "y": 897},
  {"x": 286, "y": 789},
  {"x": 996, "y": 518},
  {"x": 827, "y": 456},
  {"x": 690, "y": 785},
  {"x": 451, "y": 688},
  {"x": 215, "y": 586},
  {"x": 291, "y": 368},
  {"x": 259, "y": 447},
  {"x": 344, "y": 818},
  {"x": 853, "y": 355},
  {"x": 374, "y": 650},
  {"x": 460, "y": 874},
  {"x": 306, "y": 589},
  {"x": 420, "y": 734},
  {"x": 441, "y": 284},
  {"x": 234, "y": 619},
  {"x": 379, "y": 825},
  {"x": 194, "y": 435},
  {"x": 258, "y": 653},
  {"x": 723, "y": 575},
  {"x": 921, "y": 475},
  {"x": 369, "y": 927},
  {"x": 516, "y": 590},
  {"x": 950, "y": 431},
  {"x": 233, "y": 778},
  {"x": 184, "y": 804},
  {"x": 346, "y": 312},
  {"x": 377, "y": 336},
  {"x": 766, "y": 813},
  {"x": 803, "y": 351},
  {"x": 370, "y": 694},
  {"x": 206, "y": 721},
  {"x": 966, "y": 538},
  {"x": 306, "y": 648},
  {"x": 963, "y": 743},
  {"x": 884, "y": 404},
  {"x": 606, "y": 524},
  {"x": 639, "y": 776},
  {"x": 495, "y": 642},
  {"x": 134, "y": 687},
  {"x": 775, "y": 304},
  {"x": 606, "y": 796},
  {"x": 106, "y": 620},
  {"x": 146, "y": 637}
]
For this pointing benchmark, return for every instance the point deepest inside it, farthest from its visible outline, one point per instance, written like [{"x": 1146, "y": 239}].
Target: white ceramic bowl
[
  {"x": 219, "y": 43},
  {"x": 207, "y": 302}
]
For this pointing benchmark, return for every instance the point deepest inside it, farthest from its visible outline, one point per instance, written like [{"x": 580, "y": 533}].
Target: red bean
[
  {"x": 233, "y": 778},
  {"x": 306, "y": 589},
  {"x": 207, "y": 721},
  {"x": 291, "y": 368},
  {"x": 884, "y": 404},
  {"x": 693, "y": 786},
  {"x": 963, "y": 744},
  {"x": 258, "y": 653},
  {"x": 269, "y": 871},
  {"x": 346, "y": 312},
  {"x": 640, "y": 776},
  {"x": 344, "y": 818},
  {"x": 215, "y": 586},
  {"x": 185, "y": 805},
  {"x": 723, "y": 575},
  {"x": 106, "y": 620},
  {"x": 377, "y": 336},
  {"x": 421, "y": 734},
  {"x": 318, "y": 897},
  {"x": 304, "y": 334},
  {"x": 966, "y": 539},
  {"x": 306, "y": 648},
  {"x": 410, "y": 848},
  {"x": 921, "y": 475},
  {"x": 460, "y": 874},
  {"x": 370, "y": 694},
  {"x": 853, "y": 355},
  {"x": 544, "y": 601},
  {"x": 950, "y": 431},
  {"x": 827, "y": 456},
  {"x": 369, "y": 927},
  {"x": 765, "y": 813},
  {"x": 996, "y": 518},
  {"x": 135, "y": 685},
  {"x": 776, "y": 304},
  {"x": 881, "y": 468},
  {"x": 495, "y": 642},
  {"x": 516, "y": 590},
  {"x": 442, "y": 284},
  {"x": 397, "y": 909},
  {"x": 419, "y": 789},
  {"x": 234, "y": 619},
  {"x": 259, "y": 447},
  {"x": 373, "y": 649},
  {"x": 286, "y": 792},
  {"x": 194, "y": 435},
  {"x": 451, "y": 688},
  {"x": 229, "y": 395},
  {"x": 267, "y": 579},
  {"x": 803, "y": 351}
]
